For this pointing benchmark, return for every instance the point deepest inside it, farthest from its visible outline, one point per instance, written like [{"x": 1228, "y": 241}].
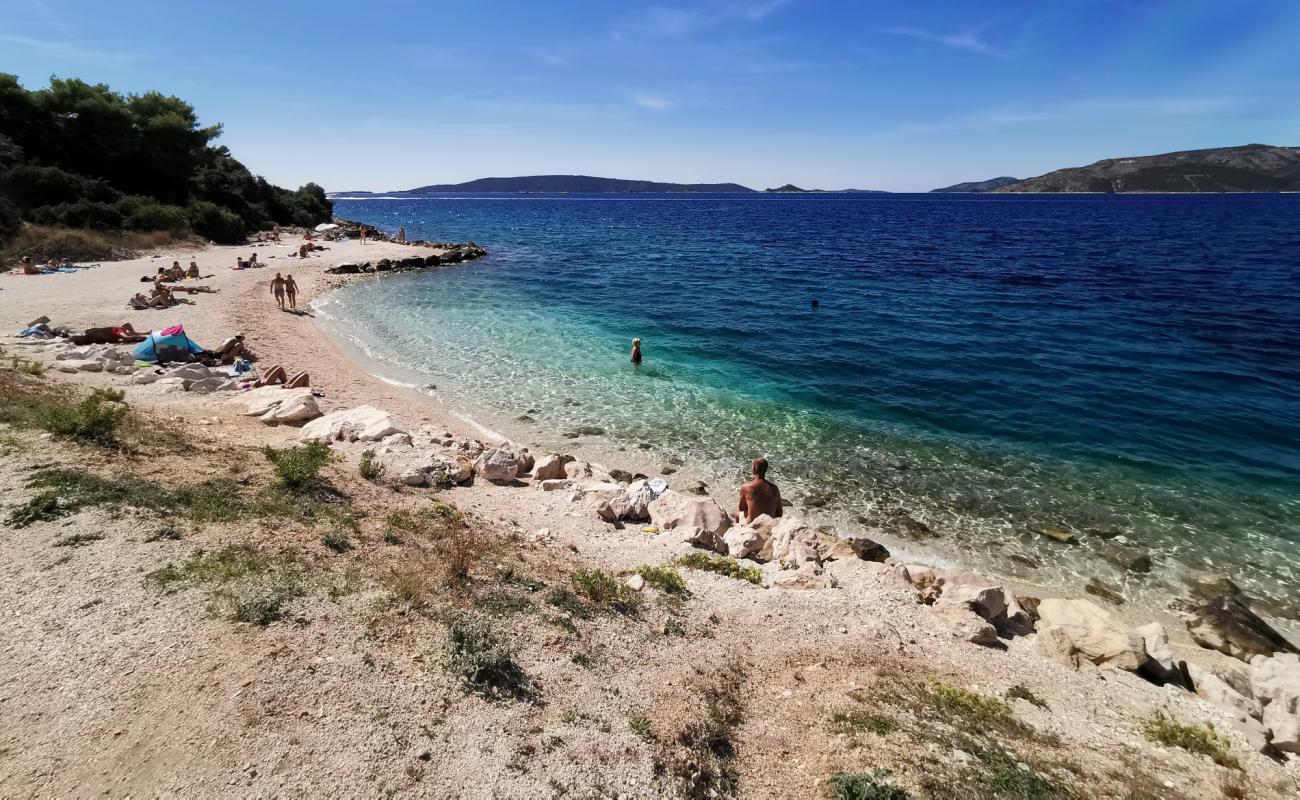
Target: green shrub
[
  {"x": 1201, "y": 739},
  {"x": 147, "y": 214},
  {"x": 971, "y": 706},
  {"x": 211, "y": 221},
  {"x": 697, "y": 560},
  {"x": 605, "y": 590},
  {"x": 298, "y": 468},
  {"x": 92, "y": 214},
  {"x": 865, "y": 786},
  {"x": 665, "y": 579},
  {"x": 485, "y": 664},
  {"x": 92, "y": 420},
  {"x": 640, "y": 726},
  {"x": 370, "y": 469}
]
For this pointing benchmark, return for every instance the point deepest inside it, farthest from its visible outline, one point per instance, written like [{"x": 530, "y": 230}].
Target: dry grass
[{"x": 43, "y": 242}]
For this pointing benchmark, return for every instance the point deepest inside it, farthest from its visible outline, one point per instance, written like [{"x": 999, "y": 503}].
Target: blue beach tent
[{"x": 170, "y": 344}]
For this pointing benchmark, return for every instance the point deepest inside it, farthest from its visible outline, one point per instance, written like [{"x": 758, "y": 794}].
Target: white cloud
[
  {"x": 679, "y": 21},
  {"x": 968, "y": 40},
  {"x": 654, "y": 102}
]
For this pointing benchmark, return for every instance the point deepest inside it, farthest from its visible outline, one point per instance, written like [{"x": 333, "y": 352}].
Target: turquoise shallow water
[{"x": 984, "y": 364}]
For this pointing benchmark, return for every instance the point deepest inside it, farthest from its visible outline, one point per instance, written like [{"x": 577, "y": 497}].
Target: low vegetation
[
  {"x": 370, "y": 468},
  {"x": 856, "y": 723},
  {"x": 972, "y": 707},
  {"x": 27, "y": 367},
  {"x": 699, "y": 759},
  {"x": 604, "y": 590},
  {"x": 665, "y": 579},
  {"x": 704, "y": 562},
  {"x": 1200, "y": 739},
  {"x": 1004, "y": 775},
  {"x": 873, "y": 785},
  {"x": 66, "y": 491},
  {"x": 484, "y": 664},
  {"x": 247, "y": 584},
  {"x": 95, "y": 419},
  {"x": 1021, "y": 692},
  {"x": 298, "y": 468}
]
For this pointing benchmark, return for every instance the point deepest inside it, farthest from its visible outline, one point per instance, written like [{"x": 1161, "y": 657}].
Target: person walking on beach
[
  {"x": 361, "y": 234},
  {"x": 277, "y": 290},
  {"x": 636, "y": 351},
  {"x": 401, "y": 234},
  {"x": 291, "y": 289},
  {"x": 759, "y": 496}
]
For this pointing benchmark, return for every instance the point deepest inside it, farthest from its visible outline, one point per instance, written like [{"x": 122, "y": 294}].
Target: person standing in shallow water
[
  {"x": 759, "y": 496},
  {"x": 636, "y": 351}
]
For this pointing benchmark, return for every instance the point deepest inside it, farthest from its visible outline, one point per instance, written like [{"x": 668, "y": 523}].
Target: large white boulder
[
  {"x": 672, "y": 509},
  {"x": 964, "y": 623},
  {"x": 1276, "y": 680},
  {"x": 987, "y": 600},
  {"x": 631, "y": 503},
  {"x": 80, "y": 365},
  {"x": 793, "y": 541},
  {"x": 275, "y": 405},
  {"x": 1283, "y": 728},
  {"x": 1217, "y": 692},
  {"x": 360, "y": 424},
  {"x": 742, "y": 541},
  {"x": 550, "y": 467},
  {"x": 807, "y": 577},
  {"x": 1094, "y": 633},
  {"x": 1053, "y": 643},
  {"x": 498, "y": 464}
]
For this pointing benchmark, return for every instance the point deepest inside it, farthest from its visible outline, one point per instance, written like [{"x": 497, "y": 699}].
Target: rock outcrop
[
  {"x": 360, "y": 424},
  {"x": 1093, "y": 633},
  {"x": 1225, "y": 623}
]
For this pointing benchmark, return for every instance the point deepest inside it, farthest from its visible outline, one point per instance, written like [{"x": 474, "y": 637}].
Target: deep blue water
[{"x": 983, "y": 362}]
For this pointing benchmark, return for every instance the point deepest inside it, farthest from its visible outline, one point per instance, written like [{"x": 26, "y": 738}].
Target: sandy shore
[{"x": 806, "y": 651}]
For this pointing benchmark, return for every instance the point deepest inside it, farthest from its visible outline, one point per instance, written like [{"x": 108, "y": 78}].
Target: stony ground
[{"x": 360, "y": 638}]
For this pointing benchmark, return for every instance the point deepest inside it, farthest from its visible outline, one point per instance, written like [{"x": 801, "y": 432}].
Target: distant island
[
  {"x": 1248, "y": 168},
  {"x": 578, "y": 184},
  {"x": 790, "y": 188},
  {"x": 975, "y": 187}
]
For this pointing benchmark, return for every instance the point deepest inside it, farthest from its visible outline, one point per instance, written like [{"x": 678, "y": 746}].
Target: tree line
[{"x": 83, "y": 156}]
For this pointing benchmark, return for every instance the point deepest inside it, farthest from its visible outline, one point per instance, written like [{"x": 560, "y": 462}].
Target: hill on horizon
[
  {"x": 1247, "y": 168},
  {"x": 581, "y": 184},
  {"x": 976, "y": 187}
]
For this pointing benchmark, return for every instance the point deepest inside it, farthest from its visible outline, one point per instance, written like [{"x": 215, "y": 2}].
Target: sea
[{"x": 1125, "y": 368}]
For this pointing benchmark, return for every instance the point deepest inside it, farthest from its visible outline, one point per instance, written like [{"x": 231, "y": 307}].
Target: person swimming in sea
[{"x": 636, "y": 351}]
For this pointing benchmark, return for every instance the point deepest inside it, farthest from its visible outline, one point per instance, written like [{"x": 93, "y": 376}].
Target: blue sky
[{"x": 821, "y": 93}]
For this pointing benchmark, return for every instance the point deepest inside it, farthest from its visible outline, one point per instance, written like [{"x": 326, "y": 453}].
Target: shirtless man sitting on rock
[{"x": 759, "y": 496}]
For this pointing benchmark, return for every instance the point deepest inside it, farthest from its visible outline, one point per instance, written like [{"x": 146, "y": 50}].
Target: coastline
[{"x": 863, "y": 615}]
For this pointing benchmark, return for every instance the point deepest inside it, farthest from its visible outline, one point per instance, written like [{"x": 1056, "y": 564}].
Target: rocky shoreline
[{"x": 1258, "y": 688}]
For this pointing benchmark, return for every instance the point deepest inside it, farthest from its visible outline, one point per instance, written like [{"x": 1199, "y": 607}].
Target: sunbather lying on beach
[
  {"x": 277, "y": 375},
  {"x": 192, "y": 289},
  {"x": 114, "y": 335},
  {"x": 140, "y": 302}
]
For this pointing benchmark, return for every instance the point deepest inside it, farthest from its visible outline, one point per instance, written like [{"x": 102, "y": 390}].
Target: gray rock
[{"x": 1227, "y": 624}]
